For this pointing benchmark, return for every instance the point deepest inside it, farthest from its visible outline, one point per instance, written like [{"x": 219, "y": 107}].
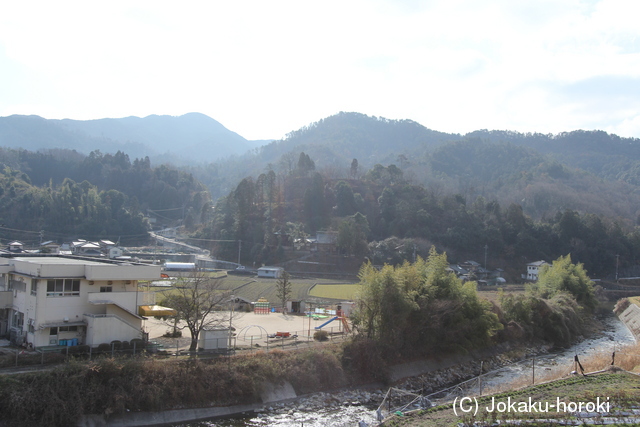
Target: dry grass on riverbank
[
  {"x": 617, "y": 388},
  {"x": 627, "y": 358},
  {"x": 59, "y": 397}
]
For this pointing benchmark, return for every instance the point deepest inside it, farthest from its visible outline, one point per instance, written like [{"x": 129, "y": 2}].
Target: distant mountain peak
[{"x": 191, "y": 137}]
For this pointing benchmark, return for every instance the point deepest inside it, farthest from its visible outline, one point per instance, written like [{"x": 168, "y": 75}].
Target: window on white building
[{"x": 63, "y": 287}]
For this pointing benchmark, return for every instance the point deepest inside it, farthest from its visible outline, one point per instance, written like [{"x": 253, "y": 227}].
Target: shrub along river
[{"x": 349, "y": 408}]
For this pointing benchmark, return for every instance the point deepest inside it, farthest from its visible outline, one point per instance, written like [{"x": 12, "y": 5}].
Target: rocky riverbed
[{"x": 350, "y": 407}]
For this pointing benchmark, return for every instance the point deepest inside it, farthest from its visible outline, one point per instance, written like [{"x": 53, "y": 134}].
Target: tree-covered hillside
[
  {"x": 385, "y": 217},
  {"x": 587, "y": 171},
  {"x": 525, "y": 196},
  {"x": 67, "y": 194},
  {"x": 511, "y": 173}
]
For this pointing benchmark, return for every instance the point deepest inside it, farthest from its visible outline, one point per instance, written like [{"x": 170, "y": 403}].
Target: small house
[
  {"x": 50, "y": 247},
  {"x": 271, "y": 272},
  {"x": 16, "y": 246},
  {"x": 533, "y": 269}
]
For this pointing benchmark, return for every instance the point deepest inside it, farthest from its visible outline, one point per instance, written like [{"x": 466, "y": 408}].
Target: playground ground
[{"x": 248, "y": 325}]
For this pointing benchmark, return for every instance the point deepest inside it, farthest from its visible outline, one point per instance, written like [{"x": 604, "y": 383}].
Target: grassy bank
[
  {"x": 619, "y": 387},
  {"x": 114, "y": 386}
]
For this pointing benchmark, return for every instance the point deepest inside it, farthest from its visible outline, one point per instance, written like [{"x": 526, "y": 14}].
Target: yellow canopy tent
[{"x": 156, "y": 311}]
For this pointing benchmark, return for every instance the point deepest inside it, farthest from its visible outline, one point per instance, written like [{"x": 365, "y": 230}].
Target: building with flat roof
[
  {"x": 49, "y": 300},
  {"x": 274, "y": 272}
]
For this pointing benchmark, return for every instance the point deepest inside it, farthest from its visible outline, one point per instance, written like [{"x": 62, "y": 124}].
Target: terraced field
[
  {"x": 342, "y": 292},
  {"x": 253, "y": 288},
  {"x": 318, "y": 291}
]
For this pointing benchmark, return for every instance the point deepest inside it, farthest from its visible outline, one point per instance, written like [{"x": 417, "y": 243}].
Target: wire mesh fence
[
  {"x": 208, "y": 347},
  {"x": 50, "y": 355},
  {"x": 529, "y": 371}
]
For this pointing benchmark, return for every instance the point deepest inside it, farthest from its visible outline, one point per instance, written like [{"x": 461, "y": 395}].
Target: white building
[
  {"x": 273, "y": 272},
  {"x": 213, "y": 339},
  {"x": 51, "y": 300},
  {"x": 533, "y": 269},
  {"x": 15, "y": 246}
]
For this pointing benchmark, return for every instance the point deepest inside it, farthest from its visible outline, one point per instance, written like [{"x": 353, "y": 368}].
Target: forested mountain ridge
[
  {"x": 517, "y": 174},
  {"x": 606, "y": 155},
  {"x": 369, "y": 139},
  {"x": 585, "y": 171},
  {"x": 333, "y": 142},
  {"x": 190, "y": 138},
  {"x": 523, "y": 195}
]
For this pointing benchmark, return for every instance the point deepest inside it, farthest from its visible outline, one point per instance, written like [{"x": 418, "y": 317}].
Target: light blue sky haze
[{"x": 266, "y": 68}]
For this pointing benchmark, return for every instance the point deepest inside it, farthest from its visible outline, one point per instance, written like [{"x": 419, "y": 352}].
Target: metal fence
[
  {"x": 242, "y": 342},
  {"x": 248, "y": 341},
  {"x": 58, "y": 354},
  {"x": 398, "y": 401}
]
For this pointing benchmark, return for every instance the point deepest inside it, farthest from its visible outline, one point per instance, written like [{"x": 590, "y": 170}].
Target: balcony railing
[{"x": 128, "y": 300}]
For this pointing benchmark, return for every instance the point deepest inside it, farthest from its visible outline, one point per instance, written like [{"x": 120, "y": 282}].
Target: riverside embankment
[
  {"x": 133, "y": 392},
  {"x": 628, "y": 311},
  {"x": 505, "y": 365},
  {"x": 282, "y": 406}
]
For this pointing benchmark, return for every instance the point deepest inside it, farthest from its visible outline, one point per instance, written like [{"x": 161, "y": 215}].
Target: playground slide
[
  {"x": 347, "y": 329},
  {"x": 326, "y": 323}
]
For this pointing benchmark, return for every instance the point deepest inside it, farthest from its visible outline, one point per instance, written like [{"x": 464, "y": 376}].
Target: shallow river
[
  {"x": 615, "y": 336},
  {"x": 348, "y": 416}
]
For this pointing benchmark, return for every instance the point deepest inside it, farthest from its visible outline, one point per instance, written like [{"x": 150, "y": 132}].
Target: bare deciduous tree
[{"x": 198, "y": 300}]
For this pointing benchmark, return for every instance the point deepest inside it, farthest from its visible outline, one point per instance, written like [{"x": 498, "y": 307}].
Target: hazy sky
[{"x": 265, "y": 68}]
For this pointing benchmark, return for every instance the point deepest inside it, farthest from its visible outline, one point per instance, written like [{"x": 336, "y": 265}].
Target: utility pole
[
  {"x": 617, "y": 259},
  {"x": 239, "y": 249},
  {"x": 233, "y": 303},
  {"x": 485, "y": 255}
]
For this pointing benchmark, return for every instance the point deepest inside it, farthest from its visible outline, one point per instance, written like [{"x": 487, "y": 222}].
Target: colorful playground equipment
[
  {"x": 345, "y": 324},
  {"x": 261, "y": 306}
]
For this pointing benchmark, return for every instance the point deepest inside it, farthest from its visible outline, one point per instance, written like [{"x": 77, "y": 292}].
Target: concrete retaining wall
[
  {"x": 631, "y": 318},
  {"x": 271, "y": 393},
  {"x": 132, "y": 419}
]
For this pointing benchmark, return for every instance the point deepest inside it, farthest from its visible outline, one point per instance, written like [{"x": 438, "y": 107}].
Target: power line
[
  {"x": 164, "y": 210},
  {"x": 20, "y": 231},
  {"x": 209, "y": 240}
]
